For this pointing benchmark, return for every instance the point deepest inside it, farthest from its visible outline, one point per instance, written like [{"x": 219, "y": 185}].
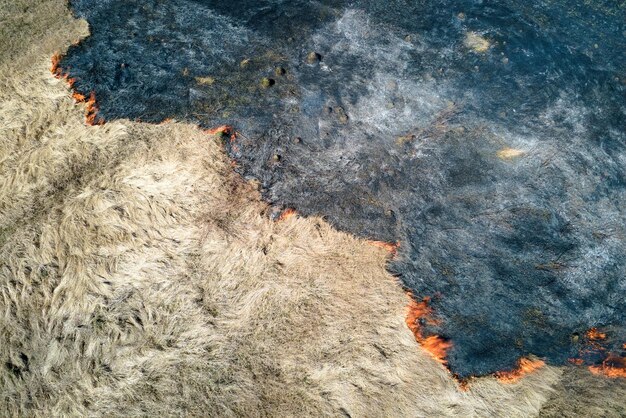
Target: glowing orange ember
[{"x": 524, "y": 367}]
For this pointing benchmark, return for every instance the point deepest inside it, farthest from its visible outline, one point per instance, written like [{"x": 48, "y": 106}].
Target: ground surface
[{"x": 140, "y": 276}]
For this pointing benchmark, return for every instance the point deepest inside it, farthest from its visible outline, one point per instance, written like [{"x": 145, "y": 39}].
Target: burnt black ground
[{"x": 399, "y": 126}]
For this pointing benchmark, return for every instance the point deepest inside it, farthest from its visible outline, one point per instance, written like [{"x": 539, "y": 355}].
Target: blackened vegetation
[{"x": 486, "y": 136}]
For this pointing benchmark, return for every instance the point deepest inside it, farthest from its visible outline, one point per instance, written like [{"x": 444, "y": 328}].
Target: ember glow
[
  {"x": 613, "y": 367},
  {"x": 221, "y": 130},
  {"x": 524, "y": 367},
  {"x": 596, "y": 353},
  {"x": 390, "y": 247},
  {"x": 419, "y": 313},
  {"x": 78, "y": 97},
  {"x": 594, "y": 335},
  {"x": 437, "y": 347},
  {"x": 91, "y": 107},
  {"x": 286, "y": 214},
  {"x": 56, "y": 59},
  {"x": 91, "y": 111}
]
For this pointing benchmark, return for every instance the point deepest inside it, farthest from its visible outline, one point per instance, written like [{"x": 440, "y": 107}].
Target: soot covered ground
[{"x": 487, "y": 137}]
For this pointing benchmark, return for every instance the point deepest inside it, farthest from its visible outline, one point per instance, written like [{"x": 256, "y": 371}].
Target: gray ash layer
[{"x": 486, "y": 136}]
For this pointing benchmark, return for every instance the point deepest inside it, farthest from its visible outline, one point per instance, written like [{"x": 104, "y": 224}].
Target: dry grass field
[{"x": 140, "y": 276}]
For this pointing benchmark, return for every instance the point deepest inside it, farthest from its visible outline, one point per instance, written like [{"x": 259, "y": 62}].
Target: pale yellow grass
[{"x": 510, "y": 153}]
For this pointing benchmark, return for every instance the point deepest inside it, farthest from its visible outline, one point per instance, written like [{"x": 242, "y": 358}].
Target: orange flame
[
  {"x": 78, "y": 97},
  {"x": 286, "y": 214},
  {"x": 613, "y": 367},
  {"x": 419, "y": 312},
  {"x": 220, "y": 130},
  {"x": 416, "y": 311},
  {"x": 593, "y": 334},
  {"x": 91, "y": 109},
  {"x": 54, "y": 68},
  {"x": 524, "y": 367},
  {"x": 435, "y": 345}
]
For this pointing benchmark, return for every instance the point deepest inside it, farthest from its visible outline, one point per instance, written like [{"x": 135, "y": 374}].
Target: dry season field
[{"x": 140, "y": 276}]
